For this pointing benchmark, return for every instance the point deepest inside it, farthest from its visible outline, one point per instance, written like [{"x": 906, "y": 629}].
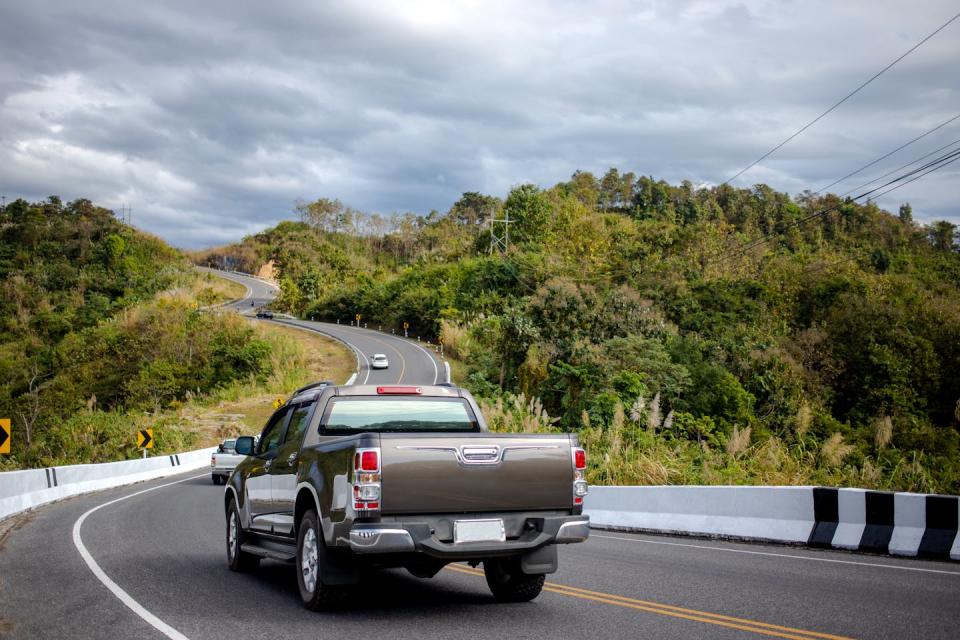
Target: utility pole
[{"x": 501, "y": 242}]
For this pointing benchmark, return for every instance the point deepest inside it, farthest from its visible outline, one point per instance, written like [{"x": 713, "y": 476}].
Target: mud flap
[
  {"x": 337, "y": 568},
  {"x": 543, "y": 560}
]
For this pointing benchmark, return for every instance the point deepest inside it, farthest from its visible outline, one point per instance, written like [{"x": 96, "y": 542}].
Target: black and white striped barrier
[
  {"x": 903, "y": 524},
  {"x": 23, "y": 490}
]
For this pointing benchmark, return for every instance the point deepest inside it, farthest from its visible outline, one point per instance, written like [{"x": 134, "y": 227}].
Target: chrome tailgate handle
[{"x": 480, "y": 454}]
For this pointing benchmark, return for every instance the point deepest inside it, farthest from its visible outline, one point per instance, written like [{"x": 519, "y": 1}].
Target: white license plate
[{"x": 478, "y": 531}]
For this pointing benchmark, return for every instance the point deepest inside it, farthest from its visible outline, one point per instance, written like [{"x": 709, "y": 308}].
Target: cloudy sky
[{"x": 211, "y": 118}]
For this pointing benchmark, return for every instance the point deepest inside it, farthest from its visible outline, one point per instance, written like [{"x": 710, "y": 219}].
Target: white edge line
[
  {"x": 228, "y": 302},
  {"x": 101, "y": 575},
  {"x": 356, "y": 352},
  {"x": 779, "y": 555},
  {"x": 436, "y": 372}
]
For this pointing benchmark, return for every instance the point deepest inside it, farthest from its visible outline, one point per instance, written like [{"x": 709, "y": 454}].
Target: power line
[
  {"x": 899, "y": 181},
  {"x": 837, "y": 104},
  {"x": 952, "y": 154},
  {"x": 887, "y": 155},
  {"x": 900, "y": 168},
  {"x": 955, "y": 156}
]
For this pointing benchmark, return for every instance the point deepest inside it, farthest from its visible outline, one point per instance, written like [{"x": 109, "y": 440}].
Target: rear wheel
[
  {"x": 311, "y": 558},
  {"x": 216, "y": 478},
  {"x": 238, "y": 559},
  {"x": 508, "y": 583}
]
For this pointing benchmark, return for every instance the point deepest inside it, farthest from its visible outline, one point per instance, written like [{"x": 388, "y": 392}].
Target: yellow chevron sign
[
  {"x": 145, "y": 439},
  {"x": 4, "y": 435}
]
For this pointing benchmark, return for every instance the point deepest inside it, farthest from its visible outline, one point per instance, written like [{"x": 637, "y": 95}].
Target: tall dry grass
[{"x": 638, "y": 448}]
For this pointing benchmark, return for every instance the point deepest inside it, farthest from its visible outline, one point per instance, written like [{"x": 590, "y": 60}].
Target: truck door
[
  {"x": 259, "y": 493},
  {"x": 283, "y": 472}
]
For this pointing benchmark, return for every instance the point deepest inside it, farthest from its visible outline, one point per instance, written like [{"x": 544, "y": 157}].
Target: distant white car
[{"x": 379, "y": 361}]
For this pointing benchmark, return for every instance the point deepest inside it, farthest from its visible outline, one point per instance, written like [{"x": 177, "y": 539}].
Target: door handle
[{"x": 292, "y": 458}]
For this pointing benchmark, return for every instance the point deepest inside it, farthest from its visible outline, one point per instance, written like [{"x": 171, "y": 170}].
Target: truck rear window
[{"x": 398, "y": 414}]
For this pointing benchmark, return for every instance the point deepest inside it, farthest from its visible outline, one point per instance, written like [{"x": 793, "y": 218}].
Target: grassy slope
[{"x": 244, "y": 408}]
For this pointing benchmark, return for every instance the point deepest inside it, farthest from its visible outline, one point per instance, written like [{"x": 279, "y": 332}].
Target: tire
[
  {"x": 216, "y": 479},
  {"x": 311, "y": 556},
  {"x": 237, "y": 559},
  {"x": 508, "y": 583}
]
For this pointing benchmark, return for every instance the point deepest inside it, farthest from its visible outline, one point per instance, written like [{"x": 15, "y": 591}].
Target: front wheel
[
  {"x": 311, "y": 557},
  {"x": 508, "y": 583},
  {"x": 237, "y": 558}
]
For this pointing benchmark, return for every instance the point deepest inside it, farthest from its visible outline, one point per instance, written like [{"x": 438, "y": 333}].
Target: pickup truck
[
  {"x": 345, "y": 478},
  {"x": 223, "y": 461}
]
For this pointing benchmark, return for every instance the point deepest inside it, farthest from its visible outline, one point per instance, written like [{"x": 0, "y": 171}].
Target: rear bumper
[{"x": 410, "y": 537}]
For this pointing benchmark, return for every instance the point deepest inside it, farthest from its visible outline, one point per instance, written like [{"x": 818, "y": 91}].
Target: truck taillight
[
  {"x": 366, "y": 460},
  {"x": 366, "y": 481},
  {"x": 580, "y": 486},
  {"x": 213, "y": 459},
  {"x": 579, "y": 458}
]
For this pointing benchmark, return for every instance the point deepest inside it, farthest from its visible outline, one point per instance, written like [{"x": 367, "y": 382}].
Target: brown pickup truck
[{"x": 350, "y": 477}]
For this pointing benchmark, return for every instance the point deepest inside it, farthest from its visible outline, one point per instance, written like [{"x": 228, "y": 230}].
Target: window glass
[
  {"x": 298, "y": 423},
  {"x": 399, "y": 414},
  {"x": 272, "y": 434}
]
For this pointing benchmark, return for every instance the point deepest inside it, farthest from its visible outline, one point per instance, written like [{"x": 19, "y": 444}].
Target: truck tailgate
[{"x": 457, "y": 472}]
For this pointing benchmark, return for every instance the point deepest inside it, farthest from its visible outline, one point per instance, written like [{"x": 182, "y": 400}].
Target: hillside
[
  {"x": 104, "y": 332},
  {"x": 690, "y": 335}
]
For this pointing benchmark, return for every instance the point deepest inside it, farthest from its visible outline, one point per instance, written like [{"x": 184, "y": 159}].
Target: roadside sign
[
  {"x": 279, "y": 402},
  {"x": 145, "y": 439},
  {"x": 406, "y": 325},
  {"x": 358, "y": 317},
  {"x": 440, "y": 339},
  {"x": 4, "y": 435}
]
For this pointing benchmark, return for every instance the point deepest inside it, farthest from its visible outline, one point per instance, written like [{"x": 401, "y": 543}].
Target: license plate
[{"x": 478, "y": 531}]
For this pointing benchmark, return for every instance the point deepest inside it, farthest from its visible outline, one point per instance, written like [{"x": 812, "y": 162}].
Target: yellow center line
[{"x": 674, "y": 611}]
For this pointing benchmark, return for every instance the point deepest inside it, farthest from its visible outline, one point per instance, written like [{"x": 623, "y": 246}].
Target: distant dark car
[{"x": 265, "y": 314}]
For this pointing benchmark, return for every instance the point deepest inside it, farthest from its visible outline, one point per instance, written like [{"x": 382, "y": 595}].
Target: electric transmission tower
[{"x": 500, "y": 242}]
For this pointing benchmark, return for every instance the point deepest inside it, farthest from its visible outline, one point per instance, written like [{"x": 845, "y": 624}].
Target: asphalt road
[
  {"x": 409, "y": 361},
  {"x": 149, "y": 561},
  {"x": 165, "y": 550}
]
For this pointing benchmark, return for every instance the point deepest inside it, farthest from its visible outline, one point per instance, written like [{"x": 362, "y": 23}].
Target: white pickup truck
[{"x": 224, "y": 460}]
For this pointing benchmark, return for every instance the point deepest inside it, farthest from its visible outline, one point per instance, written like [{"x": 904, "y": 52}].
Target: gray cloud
[{"x": 211, "y": 118}]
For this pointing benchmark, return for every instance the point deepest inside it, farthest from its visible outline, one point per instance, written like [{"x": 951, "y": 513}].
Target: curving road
[
  {"x": 148, "y": 561},
  {"x": 410, "y": 362}
]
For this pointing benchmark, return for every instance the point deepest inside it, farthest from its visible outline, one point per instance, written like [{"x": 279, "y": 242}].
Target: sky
[{"x": 212, "y": 119}]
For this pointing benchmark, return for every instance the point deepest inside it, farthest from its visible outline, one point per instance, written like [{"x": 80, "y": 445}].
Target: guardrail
[
  {"x": 23, "y": 490},
  {"x": 903, "y": 524}
]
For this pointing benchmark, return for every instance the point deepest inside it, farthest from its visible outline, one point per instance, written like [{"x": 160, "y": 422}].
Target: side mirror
[{"x": 245, "y": 446}]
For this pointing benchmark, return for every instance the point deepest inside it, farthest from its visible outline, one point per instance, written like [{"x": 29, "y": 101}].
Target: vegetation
[
  {"x": 104, "y": 331},
  {"x": 688, "y": 334}
]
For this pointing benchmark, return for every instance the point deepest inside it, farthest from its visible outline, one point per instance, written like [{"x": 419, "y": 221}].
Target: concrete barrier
[
  {"x": 781, "y": 514},
  {"x": 905, "y": 524},
  {"x": 23, "y": 490}
]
